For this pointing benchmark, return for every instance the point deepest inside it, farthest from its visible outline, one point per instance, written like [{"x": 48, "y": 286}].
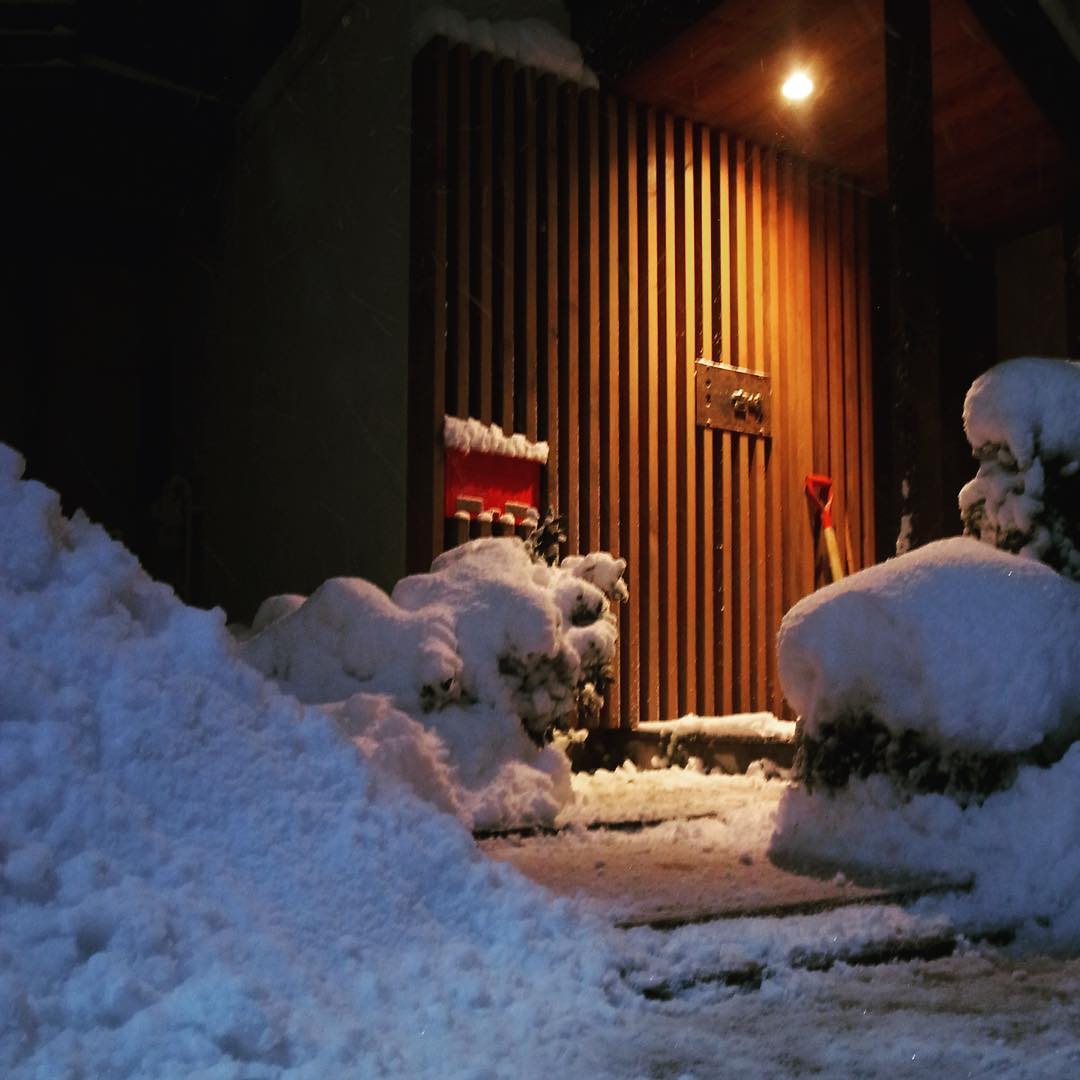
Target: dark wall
[
  {"x": 106, "y": 216},
  {"x": 968, "y": 348},
  {"x": 304, "y": 451},
  {"x": 964, "y": 286}
]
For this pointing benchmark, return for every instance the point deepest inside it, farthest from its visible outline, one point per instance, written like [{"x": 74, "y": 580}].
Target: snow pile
[
  {"x": 464, "y": 662},
  {"x": 200, "y": 876},
  {"x": 939, "y": 697},
  {"x": 474, "y": 436},
  {"x": 530, "y": 42},
  {"x": 1022, "y": 419}
]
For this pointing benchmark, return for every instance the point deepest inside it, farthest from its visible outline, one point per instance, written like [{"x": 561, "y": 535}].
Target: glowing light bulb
[{"x": 798, "y": 86}]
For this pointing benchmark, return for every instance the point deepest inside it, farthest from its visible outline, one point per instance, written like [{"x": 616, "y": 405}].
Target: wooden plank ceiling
[{"x": 1000, "y": 166}]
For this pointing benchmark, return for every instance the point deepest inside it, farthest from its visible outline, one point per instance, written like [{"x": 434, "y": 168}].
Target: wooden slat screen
[{"x": 573, "y": 254}]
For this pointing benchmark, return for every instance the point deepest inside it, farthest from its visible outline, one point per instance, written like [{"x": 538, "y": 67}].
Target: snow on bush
[
  {"x": 939, "y": 701},
  {"x": 199, "y": 876},
  {"x": 1022, "y": 419},
  {"x": 488, "y": 648}
]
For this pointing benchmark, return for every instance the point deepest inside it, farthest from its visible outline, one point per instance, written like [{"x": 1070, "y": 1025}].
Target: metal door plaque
[{"x": 732, "y": 399}]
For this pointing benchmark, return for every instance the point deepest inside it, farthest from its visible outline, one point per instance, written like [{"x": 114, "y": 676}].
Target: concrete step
[{"x": 732, "y": 754}]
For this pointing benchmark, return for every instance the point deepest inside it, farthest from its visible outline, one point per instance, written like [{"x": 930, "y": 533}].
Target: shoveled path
[{"x": 666, "y": 848}]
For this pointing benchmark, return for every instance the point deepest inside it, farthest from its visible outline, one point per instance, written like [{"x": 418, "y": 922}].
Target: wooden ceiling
[{"x": 1000, "y": 166}]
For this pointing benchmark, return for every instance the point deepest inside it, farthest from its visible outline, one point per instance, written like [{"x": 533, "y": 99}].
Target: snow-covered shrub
[
  {"x": 939, "y": 704},
  {"x": 537, "y": 641},
  {"x": 349, "y": 636},
  {"x": 1022, "y": 419},
  {"x": 490, "y": 651}
]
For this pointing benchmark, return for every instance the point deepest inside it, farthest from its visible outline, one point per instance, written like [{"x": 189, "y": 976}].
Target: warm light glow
[{"x": 798, "y": 86}]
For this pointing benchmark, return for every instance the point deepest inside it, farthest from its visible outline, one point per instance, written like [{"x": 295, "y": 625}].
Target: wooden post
[
  {"x": 913, "y": 358},
  {"x": 1071, "y": 237}
]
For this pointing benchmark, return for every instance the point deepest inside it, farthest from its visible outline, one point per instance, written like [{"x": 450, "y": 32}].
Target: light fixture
[{"x": 798, "y": 86}]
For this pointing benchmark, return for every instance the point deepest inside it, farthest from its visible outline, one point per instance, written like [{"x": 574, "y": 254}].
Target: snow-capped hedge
[
  {"x": 1022, "y": 419},
  {"x": 939, "y": 703},
  {"x": 488, "y": 648},
  {"x": 199, "y": 876},
  {"x": 969, "y": 646}
]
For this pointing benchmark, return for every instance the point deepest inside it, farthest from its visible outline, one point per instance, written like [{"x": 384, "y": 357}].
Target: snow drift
[{"x": 199, "y": 876}]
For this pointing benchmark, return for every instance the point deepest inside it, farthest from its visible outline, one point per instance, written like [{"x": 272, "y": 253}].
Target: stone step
[
  {"x": 609, "y": 748},
  {"x": 749, "y": 975}
]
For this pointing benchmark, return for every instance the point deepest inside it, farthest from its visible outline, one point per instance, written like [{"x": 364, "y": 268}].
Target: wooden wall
[{"x": 573, "y": 254}]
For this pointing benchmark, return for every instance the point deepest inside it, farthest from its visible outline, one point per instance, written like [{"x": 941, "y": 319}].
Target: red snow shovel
[{"x": 819, "y": 492}]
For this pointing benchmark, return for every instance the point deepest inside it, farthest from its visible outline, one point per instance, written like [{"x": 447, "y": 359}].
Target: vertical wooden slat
[
  {"x": 548, "y": 306},
  {"x": 505, "y": 218},
  {"x": 741, "y": 464},
  {"x": 726, "y": 502},
  {"x": 759, "y": 632},
  {"x": 866, "y": 404},
  {"x": 802, "y": 391},
  {"x": 590, "y": 322},
  {"x": 819, "y": 293},
  {"x": 793, "y": 511},
  {"x": 629, "y": 407},
  {"x": 706, "y": 543},
  {"x": 569, "y": 281},
  {"x": 458, "y": 286},
  {"x": 427, "y": 305},
  {"x": 649, "y": 279},
  {"x": 608, "y": 401},
  {"x": 686, "y": 289},
  {"x": 669, "y": 368},
  {"x": 852, "y": 524},
  {"x": 776, "y": 365},
  {"x": 526, "y": 256},
  {"x": 481, "y": 208},
  {"x": 835, "y": 410}
]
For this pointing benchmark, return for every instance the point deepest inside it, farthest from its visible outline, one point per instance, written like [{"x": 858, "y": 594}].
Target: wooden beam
[
  {"x": 1032, "y": 46},
  {"x": 915, "y": 418}
]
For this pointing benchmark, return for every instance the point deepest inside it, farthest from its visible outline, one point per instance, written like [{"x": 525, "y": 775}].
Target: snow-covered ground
[{"x": 202, "y": 877}]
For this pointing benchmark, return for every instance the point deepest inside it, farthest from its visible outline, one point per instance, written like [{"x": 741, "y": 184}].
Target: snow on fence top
[
  {"x": 531, "y": 42},
  {"x": 474, "y": 436},
  {"x": 758, "y": 725}
]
